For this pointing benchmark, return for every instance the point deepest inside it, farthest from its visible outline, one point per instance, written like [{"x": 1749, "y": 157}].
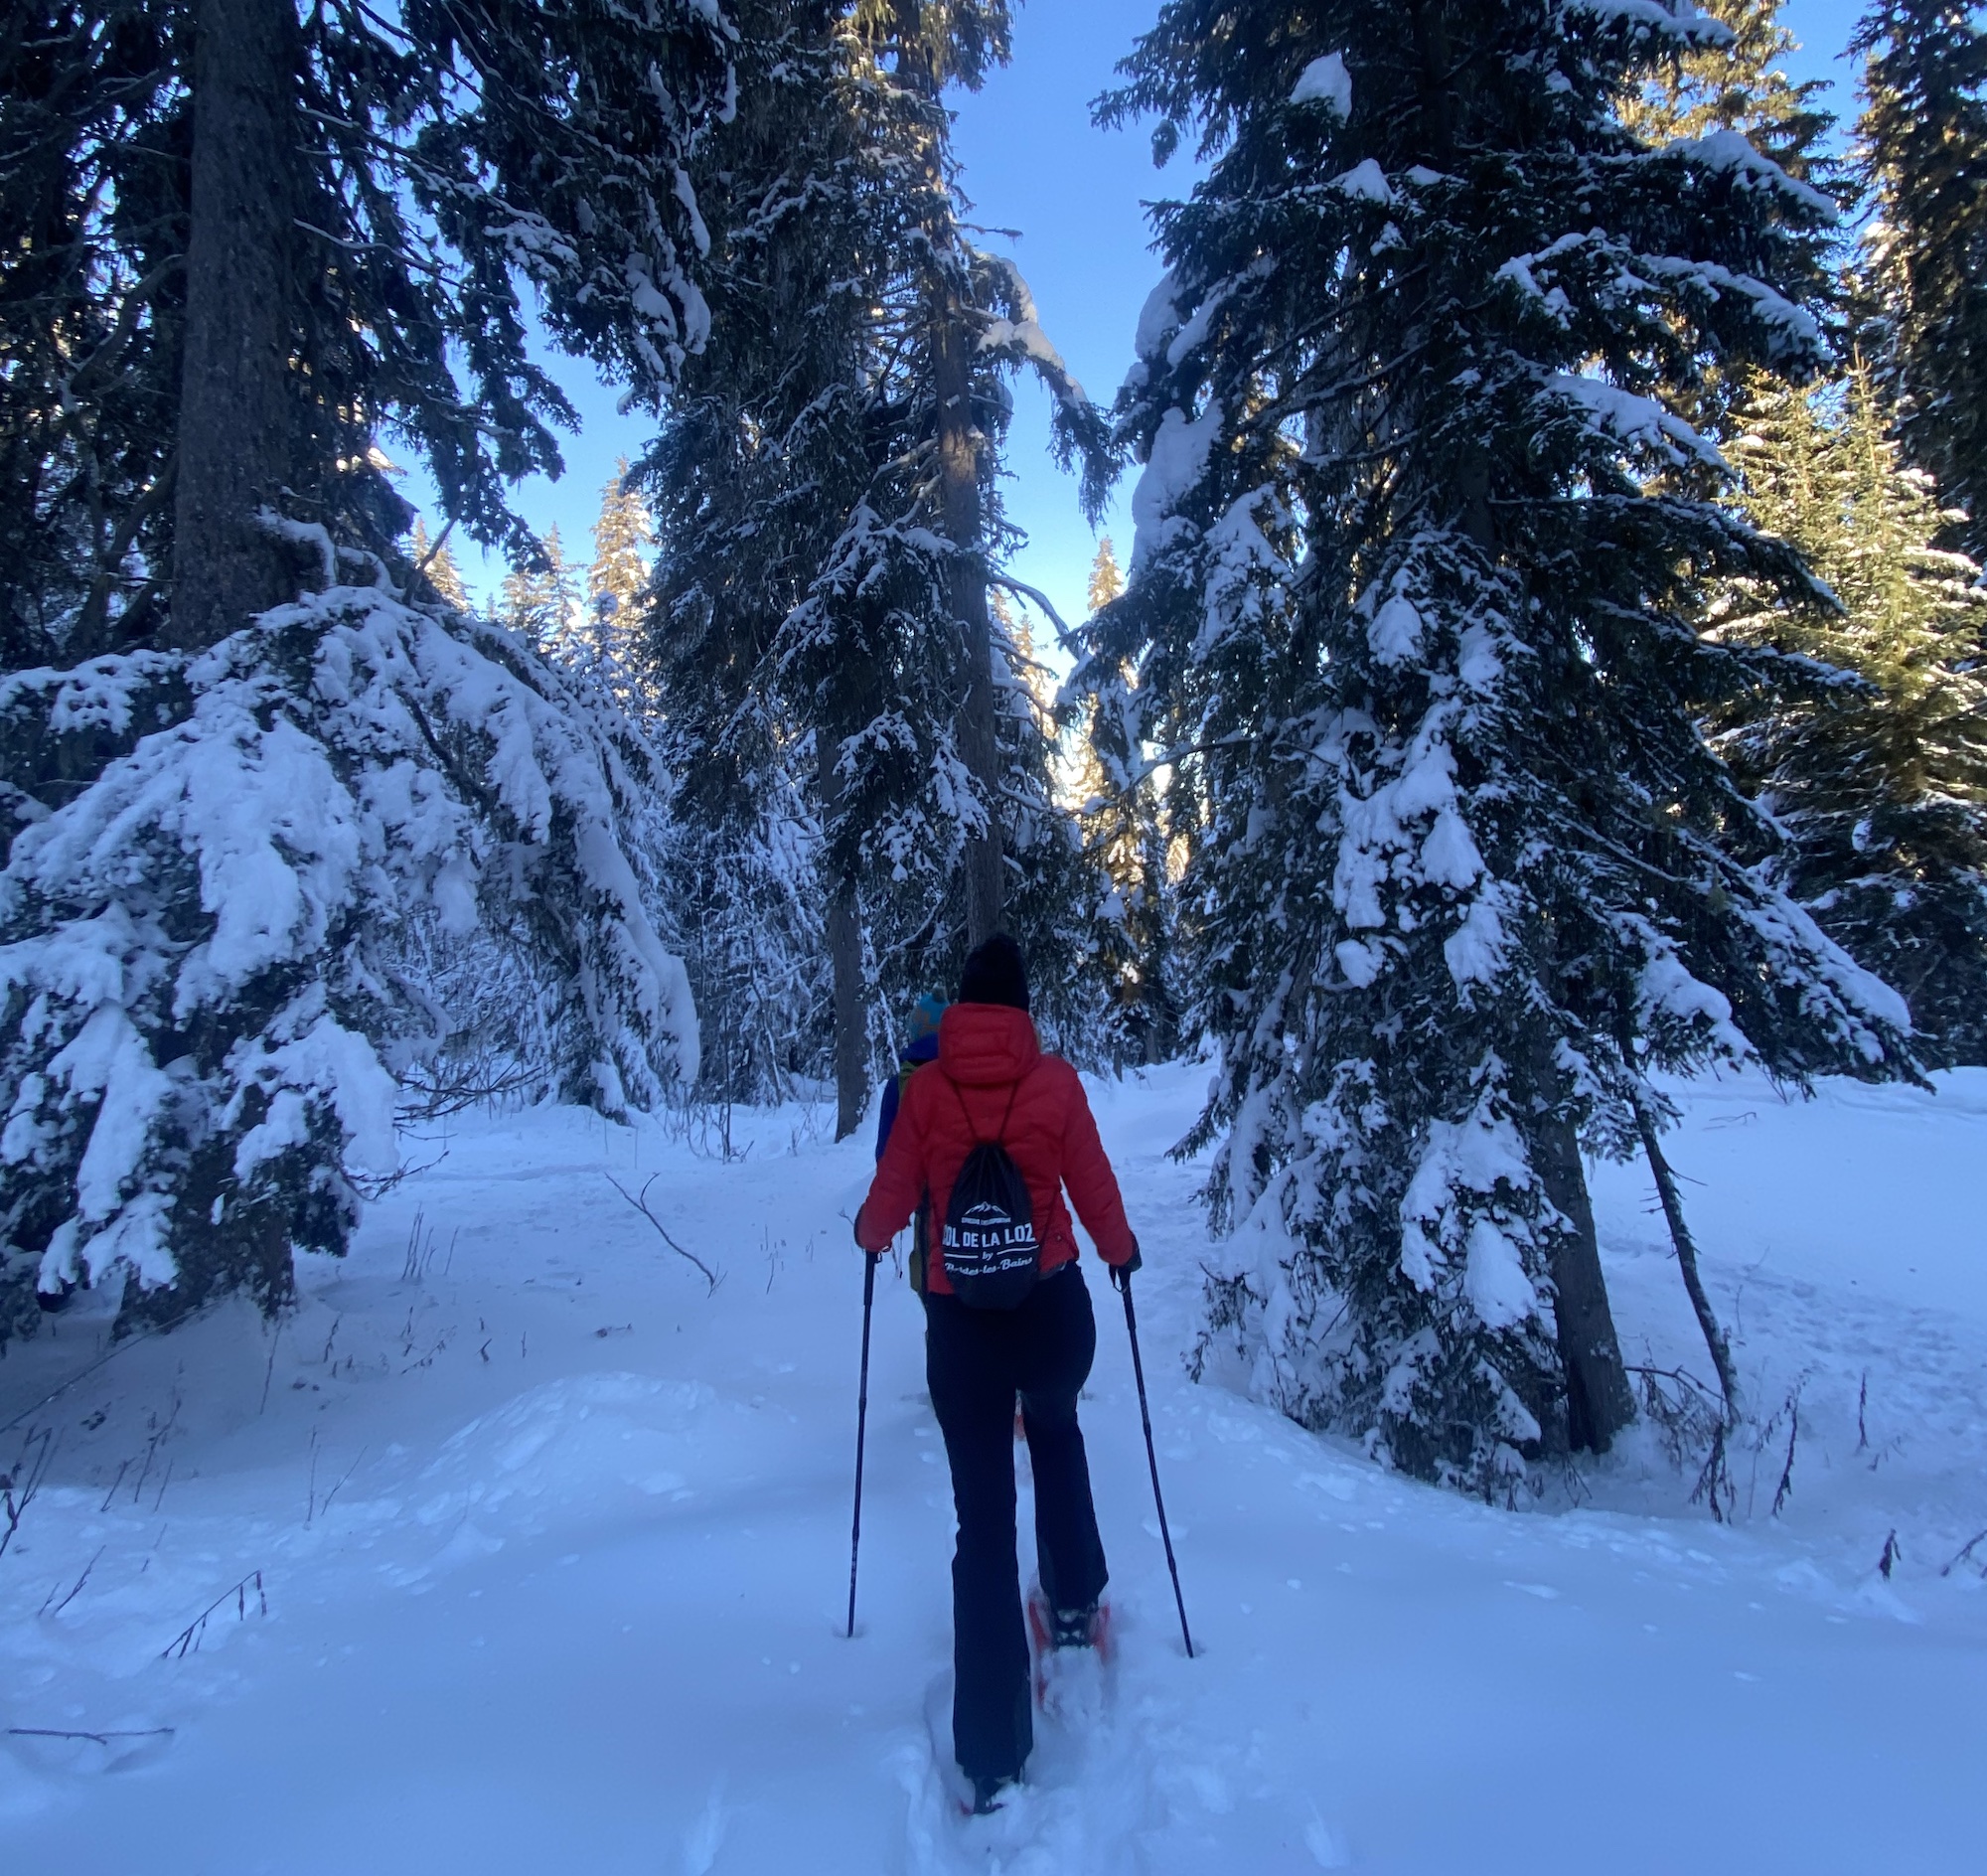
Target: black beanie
[{"x": 995, "y": 973}]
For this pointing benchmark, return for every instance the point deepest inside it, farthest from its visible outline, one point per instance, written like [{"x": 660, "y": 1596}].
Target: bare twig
[
  {"x": 1892, "y": 1556},
  {"x": 45, "y": 1610},
  {"x": 1966, "y": 1550},
  {"x": 116, "y": 1349},
  {"x": 123, "y": 1467},
  {"x": 18, "y": 1488},
  {"x": 189, "y": 1638},
  {"x": 160, "y": 1435},
  {"x": 1686, "y": 1412},
  {"x": 434, "y": 553},
  {"x": 1785, "y": 1489},
  {"x": 710, "y": 1277},
  {"x": 324, "y": 1507},
  {"x": 96, "y": 1739}
]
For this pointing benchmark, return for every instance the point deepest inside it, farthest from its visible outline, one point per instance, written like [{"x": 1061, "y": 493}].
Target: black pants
[{"x": 977, "y": 1361}]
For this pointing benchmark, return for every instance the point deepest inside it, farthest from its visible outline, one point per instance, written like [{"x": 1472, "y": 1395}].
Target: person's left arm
[{"x": 1092, "y": 1185}]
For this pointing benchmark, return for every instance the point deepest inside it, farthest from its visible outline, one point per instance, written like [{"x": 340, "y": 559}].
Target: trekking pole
[
  {"x": 1153, "y": 1459},
  {"x": 862, "y": 1422}
]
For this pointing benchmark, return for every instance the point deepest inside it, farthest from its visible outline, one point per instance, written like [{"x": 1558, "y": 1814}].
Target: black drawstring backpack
[{"x": 991, "y": 1255}]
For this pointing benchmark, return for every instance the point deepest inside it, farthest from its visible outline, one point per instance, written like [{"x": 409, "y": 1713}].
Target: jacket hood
[
  {"x": 924, "y": 1049},
  {"x": 984, "y": 1045}
]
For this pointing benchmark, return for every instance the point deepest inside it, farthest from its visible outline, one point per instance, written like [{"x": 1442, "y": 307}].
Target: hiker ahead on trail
[{"x": 1007, "y": 1313}]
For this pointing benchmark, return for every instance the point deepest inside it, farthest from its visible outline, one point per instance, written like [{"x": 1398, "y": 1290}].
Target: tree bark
[
  {"x": 1599, "y": 1403},
  {"x": 979, "y": 745},
  {"x": 845, "y": 957},
  {"x": 235, "y": 416},
  {"x": 953, "y": 336}
]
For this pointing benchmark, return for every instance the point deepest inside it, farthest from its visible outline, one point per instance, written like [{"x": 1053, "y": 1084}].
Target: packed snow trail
[{"x": 555, "y": 1551}]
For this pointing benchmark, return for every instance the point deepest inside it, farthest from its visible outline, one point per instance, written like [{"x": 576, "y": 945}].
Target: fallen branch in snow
[
  {"x": 642, "y": 1206},
  {"x": 1966, "y": 1551},
  {"x": 45, "y": 1610},
  {"x": 189, "y": 1638},
  {"x": 96, "y": 1739},
  {"x": 1686, "y": 1254},
  {"x": 116, "y": 1349},
  {"x": 18, "y": 1486},
  {"x": 1687, "y": 1412}
]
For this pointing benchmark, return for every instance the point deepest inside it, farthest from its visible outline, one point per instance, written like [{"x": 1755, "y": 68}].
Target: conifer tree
[
  {"x": 1408, "y": 585},
  {"x": 540, "y": 599},
  {"x": 822, "y": 589},
  {"x": 617, "y": 584},
  {"x": 1107, "y": 580},
  {"x": 230, "y": 831},
  {"x": 1738, "y": 84},
  {"x": 436, "y": 566},
  {"x": 1123, "y": 825},
  {"x": 1881, "y": 787},
  {"x": 354, "y": 205},
  {"x": 1059, "y": 892},
  {"x": 1923, "y": 144}
]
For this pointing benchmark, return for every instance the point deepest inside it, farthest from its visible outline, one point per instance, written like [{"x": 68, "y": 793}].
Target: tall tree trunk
[
  {"x": 978, "y": 746},
  {"x": 845, "y": 957},
  {"x": 234, "y": 420},
  {"x": 952, "y": 337},
  {"x": 1599, "y": 1402}
]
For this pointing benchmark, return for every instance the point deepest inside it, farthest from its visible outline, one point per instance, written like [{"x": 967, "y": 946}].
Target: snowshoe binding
[
  {"x": 989, "y": 1795},
  {"x": 1062, "y": 1636}
]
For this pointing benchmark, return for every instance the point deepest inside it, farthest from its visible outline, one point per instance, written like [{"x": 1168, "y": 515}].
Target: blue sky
[{"x": 1033, "y": 162}]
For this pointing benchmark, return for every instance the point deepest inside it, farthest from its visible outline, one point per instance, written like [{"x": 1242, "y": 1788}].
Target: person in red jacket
[{"x": 992, "y": 1081}]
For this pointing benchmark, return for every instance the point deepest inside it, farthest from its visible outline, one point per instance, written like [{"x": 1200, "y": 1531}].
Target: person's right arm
[{"x": 899, "y": 1182}]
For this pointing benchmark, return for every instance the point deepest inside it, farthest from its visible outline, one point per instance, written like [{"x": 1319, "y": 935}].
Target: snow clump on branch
[{"x": 207, "y": 999}]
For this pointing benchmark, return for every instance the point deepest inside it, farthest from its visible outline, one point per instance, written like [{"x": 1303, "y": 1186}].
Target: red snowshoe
[{"x": 1053, "y": 1632}]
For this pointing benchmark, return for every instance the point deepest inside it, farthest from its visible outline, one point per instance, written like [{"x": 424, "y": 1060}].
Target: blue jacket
[{"x": 924, "y": 1049}]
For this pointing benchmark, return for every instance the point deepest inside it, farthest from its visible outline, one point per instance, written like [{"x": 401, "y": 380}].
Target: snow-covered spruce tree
[
  {"x": 617, "y": 584},
  {"x": 206, "y": 1003},
  {"x": 1121, "y": 823},
  {"x": 826, "y": 495},
  {"x": 1401, "y": 581},
  {"x": 540, "y": 598},
  {"x": 217, "y": 839},
  {"x": 435, "y": 564},
  {"x": 753, "y": 480},
  {"x": 1734, "y": 83},
  {"x": 409, "y": 175},
  {"x": 1738, "y": 83},
  {"x": 1923, "y": 145},
  {"x": 1881, "y": 788},
  {"x": 92, "y": 132},
  {"x": 1058, "y": 893}
]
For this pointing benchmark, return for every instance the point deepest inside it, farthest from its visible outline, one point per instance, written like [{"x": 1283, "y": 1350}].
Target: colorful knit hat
[{"x": 925, "y": 1015}]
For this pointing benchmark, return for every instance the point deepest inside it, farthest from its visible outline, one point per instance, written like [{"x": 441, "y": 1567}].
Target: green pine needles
[
  {"x": 1421, "y": 537},
  {"x": 1880, "y": 786}
]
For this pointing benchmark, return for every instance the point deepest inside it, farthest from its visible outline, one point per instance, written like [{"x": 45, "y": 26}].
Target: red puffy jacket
[{"x": 987, "y": 1053}]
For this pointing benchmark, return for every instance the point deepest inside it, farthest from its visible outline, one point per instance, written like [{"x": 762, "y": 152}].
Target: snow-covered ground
[{"x": 545, "y": 1548}]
